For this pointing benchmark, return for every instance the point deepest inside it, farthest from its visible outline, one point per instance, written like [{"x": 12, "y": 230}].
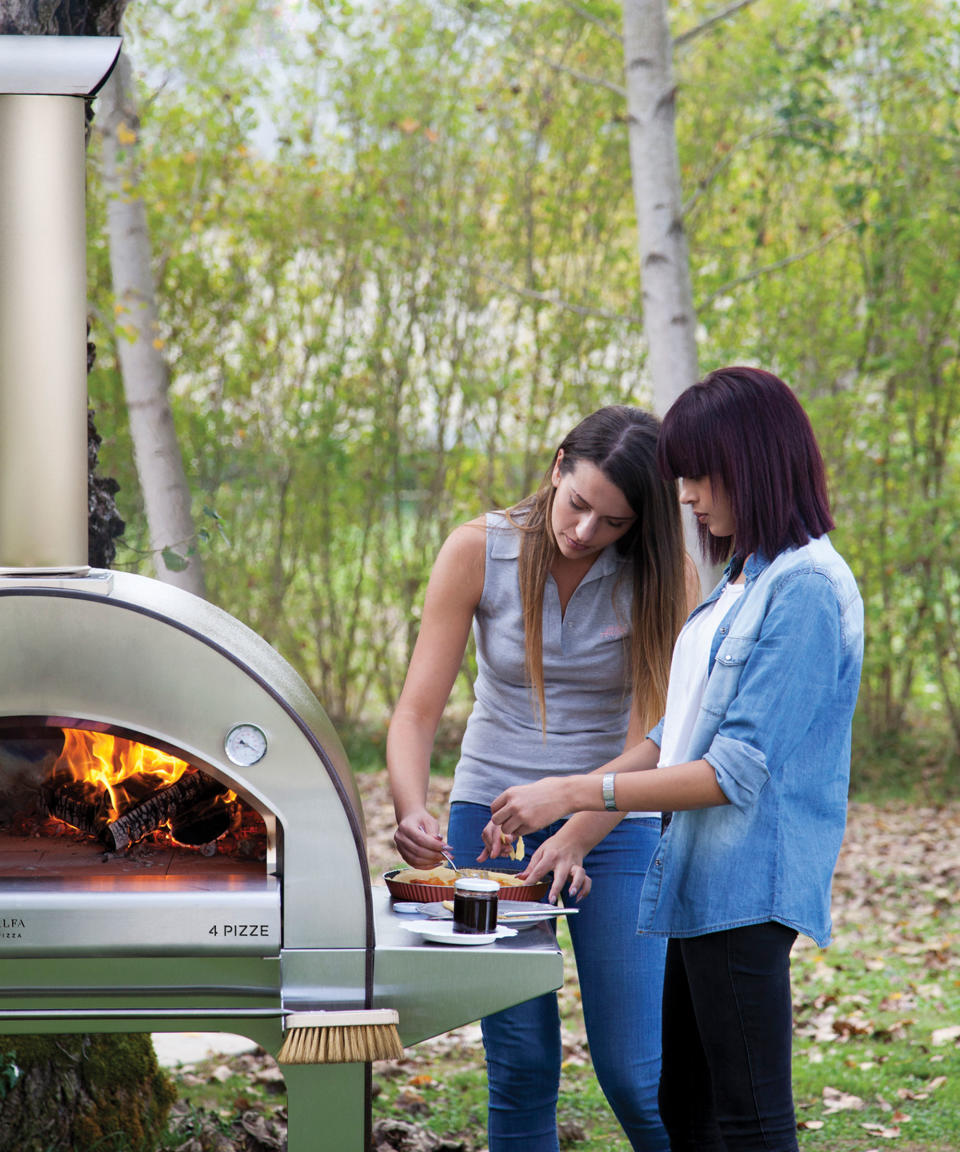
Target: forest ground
[{"x": 876, "y": 1014}]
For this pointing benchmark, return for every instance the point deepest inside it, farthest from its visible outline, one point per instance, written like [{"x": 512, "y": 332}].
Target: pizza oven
[{"x": 181, "y": 842}]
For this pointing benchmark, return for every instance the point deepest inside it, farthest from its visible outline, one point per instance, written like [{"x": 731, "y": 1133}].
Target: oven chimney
[{"x": 44, "y": 81}]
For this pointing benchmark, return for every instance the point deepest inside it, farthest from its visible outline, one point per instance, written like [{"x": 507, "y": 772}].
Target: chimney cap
[{"x": 56, "y": 65}]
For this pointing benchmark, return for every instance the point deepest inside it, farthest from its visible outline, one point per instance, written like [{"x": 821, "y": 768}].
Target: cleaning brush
[{"x": 353, "y": 1036}]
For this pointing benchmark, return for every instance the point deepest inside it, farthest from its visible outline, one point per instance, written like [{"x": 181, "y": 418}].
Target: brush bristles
[{"x": 341, "y": 1044}]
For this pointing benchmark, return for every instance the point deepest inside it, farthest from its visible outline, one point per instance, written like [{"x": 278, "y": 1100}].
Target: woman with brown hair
[{"x": 575, "y": 596}]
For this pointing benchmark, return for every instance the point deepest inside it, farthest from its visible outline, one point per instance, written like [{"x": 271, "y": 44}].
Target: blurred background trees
[{"x": 395, "y": 256}]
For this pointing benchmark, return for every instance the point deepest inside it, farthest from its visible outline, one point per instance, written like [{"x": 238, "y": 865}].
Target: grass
[
  {"x": 442, "y": 1084},
  {"x": 210, "y": 1103},
  {"x": 867, "y": 1070},
  {"x": 867, "y": 1073}
]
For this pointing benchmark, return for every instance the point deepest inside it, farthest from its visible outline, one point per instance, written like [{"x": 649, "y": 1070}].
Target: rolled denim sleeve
[
  {"x": 741, "y": 770},
  {"x": 786, "y": 682},
  {"x": 656, "y": 734}
]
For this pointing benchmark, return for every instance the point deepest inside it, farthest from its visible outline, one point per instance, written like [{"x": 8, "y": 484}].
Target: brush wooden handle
[{"x": 347, "y": 1018}]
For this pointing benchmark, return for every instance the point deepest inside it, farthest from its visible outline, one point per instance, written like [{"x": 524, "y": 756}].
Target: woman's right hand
[{"x": 418, "y": 839}]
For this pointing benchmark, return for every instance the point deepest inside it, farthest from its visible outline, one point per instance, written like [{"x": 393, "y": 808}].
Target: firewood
[
  {"x": 160, "y": 806},
  {"x": 71, "y": 801},
  {"x": 201, "y": 825}
]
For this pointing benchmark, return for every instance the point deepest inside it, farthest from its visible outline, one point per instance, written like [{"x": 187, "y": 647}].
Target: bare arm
[
  {"x": 674, "y": 788},
  {"x": 453, "y": 592}
]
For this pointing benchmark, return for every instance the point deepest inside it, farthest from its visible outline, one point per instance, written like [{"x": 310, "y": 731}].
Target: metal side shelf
[{"x": 436, "y": 987}]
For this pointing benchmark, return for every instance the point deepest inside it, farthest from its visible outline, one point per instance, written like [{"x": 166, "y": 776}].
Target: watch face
[{"x": 245, "y": 744}]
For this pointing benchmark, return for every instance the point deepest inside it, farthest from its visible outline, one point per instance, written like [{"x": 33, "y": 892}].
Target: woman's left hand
[{"x": 524, "y": 808}]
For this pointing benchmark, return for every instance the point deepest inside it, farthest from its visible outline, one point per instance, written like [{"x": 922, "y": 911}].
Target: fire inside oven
[{"x": 118, "y": 798}]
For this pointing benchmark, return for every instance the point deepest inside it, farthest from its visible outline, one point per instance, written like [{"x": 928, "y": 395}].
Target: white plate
[{"x": 441, "y": 932}]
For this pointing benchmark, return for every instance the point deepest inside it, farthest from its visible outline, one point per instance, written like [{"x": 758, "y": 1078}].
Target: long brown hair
[{"x": 621, "y": 442}]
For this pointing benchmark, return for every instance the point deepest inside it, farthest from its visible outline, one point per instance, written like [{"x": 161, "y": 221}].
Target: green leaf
[{"x": 174, "y": 561}]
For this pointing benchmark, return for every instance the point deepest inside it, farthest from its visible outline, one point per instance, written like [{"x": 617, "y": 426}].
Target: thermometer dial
[{"x": 245, "y": 744}]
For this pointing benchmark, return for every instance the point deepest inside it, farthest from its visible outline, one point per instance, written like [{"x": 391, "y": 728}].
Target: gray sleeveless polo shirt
[{"x": 585, "y": 670}]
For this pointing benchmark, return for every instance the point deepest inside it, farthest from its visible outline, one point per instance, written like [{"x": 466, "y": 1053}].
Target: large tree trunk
[
  {"x": 146, "y": 379},
  {"x": 79, "y": 1092},
  {"x": 669, "y": 320},
  {"x": 66, "y": 18}
]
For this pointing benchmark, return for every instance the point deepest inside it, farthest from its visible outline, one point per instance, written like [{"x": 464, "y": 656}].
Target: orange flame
[{"x": 104, "y": 762}]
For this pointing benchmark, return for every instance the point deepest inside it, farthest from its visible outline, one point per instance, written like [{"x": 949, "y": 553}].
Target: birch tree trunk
[
  {"x": 146, "y": 377},
  {"x": 669, "y": 321}
]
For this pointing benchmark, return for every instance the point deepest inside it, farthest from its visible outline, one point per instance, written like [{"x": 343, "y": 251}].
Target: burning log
[
  {"x": 71, "y": 802},
  {"x": 119, "y": 791},
  {"x": 188, "y": 792},
  {"x": 201, "y": 826}
]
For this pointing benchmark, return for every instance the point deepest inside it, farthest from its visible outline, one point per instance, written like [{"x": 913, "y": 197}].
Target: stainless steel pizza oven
[{"x": 181, "y": 841}]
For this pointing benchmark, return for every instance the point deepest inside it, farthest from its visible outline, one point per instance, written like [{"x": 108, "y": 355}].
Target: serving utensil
[{"x": 528, "y": 911}]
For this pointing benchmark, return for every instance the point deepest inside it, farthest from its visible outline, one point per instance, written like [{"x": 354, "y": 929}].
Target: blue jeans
[
  {"x": 727, "y": 1032},
  {"x": 620, "y": 976}
]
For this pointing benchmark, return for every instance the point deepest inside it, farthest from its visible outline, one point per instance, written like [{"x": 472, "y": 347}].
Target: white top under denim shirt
[
  {"x": 689, "y": 672},
  {"x": 774, "y": 722},
  {"x": 586, "y": 675}
]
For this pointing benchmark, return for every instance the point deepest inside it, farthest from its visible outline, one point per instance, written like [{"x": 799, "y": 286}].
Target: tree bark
[
  {"x": 669, "y": 320},
  {"x": 146, "y": 377},
  {"x": 67, "y": 18},
  {"x": 79, "y": 1091}
]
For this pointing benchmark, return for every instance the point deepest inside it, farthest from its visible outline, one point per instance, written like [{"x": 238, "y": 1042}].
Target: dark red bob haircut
[{"x": 745, "y": 427}]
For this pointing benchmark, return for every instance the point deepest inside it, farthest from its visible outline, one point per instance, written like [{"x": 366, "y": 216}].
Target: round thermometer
[{"x": 245, "y": 744}]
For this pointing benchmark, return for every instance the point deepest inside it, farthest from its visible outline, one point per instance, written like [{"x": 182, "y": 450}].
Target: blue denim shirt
[{"x": 774, "y": 723}]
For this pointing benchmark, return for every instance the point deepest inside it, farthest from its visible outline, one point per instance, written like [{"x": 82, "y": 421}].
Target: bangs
[{"x": 685, "y": 446}]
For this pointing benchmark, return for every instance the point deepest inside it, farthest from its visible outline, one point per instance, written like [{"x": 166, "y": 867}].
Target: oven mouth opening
[{"x": 75, "y": 794}]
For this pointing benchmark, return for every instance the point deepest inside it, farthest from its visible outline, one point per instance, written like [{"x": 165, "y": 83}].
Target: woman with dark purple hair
[{"x": 752, "y": 759}]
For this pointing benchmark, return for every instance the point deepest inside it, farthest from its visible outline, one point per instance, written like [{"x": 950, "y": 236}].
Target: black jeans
[{"x": 725, "y": 1084}]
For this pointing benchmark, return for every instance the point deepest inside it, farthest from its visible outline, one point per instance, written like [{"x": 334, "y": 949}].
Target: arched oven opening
[{"x": 83, "y": 796}]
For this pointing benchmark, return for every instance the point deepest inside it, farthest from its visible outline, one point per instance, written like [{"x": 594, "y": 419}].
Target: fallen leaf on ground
[{"x": 836, "y": 1101}]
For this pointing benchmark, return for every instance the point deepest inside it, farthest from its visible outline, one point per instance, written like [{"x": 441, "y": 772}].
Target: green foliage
[
  {"x": 366, "y": 747},
  {"x": 357, "y": 313},
  {"x": 396, "y": 258},
  {"x": 824, "y": 234}
]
